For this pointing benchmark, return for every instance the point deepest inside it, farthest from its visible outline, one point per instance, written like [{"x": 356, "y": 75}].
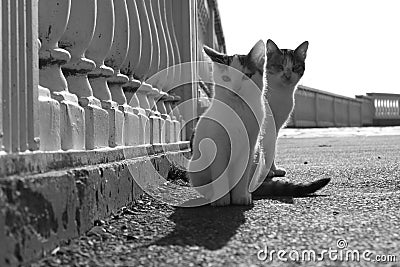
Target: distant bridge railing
[
  {"x": 317, "y": 108},
  {"x": 387, "y": 108}
]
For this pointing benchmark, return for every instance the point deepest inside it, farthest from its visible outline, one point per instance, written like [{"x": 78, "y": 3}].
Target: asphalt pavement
[{"x": 354, "y": 221}]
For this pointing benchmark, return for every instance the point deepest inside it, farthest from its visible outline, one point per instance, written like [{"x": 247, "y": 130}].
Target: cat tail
[{"x": 278, "y": 188}]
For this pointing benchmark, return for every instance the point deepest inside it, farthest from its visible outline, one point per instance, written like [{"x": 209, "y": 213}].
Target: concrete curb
[{"x": 39, "y": 211}]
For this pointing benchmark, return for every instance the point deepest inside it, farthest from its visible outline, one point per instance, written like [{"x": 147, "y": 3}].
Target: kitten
[
  {"x": 284, "y": 70},
  {"x": 233, "y": 123}
]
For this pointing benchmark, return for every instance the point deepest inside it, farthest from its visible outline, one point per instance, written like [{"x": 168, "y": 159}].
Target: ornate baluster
[
  {"x": 54, "y": 15},
  {"x": 49, "y": 120},
  {"x": 182, "y": 14},
  {"x": 136, "y": 131},
  {"x": 161, "y": 79},
  {"x": 171, "y": 56},
  {"x": 174, "y": 130},
  {"x": 176, "y": 67},
  {"x": 76, "y": 40},
  {"x": 175, "y": 46},
  {"x": 144, "y": 66},
  {"x": 152, "y": 91},
  {"x": 167, "y": 130},
  {"x": 181, "y": 130},
  {"x": 115, "y": 59},
  {"x": 72, "y": 115},
  {"x": 162, "y": 71},
  {"x": 98, "y": 49},
  {"x": 133, "y": 63},
  {"x": 155, "y": 116},
  {"x": 398, "y": 108}
]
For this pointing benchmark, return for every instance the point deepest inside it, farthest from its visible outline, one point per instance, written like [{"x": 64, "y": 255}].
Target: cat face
[
  {"x": 235, "y": 72},
  {"x": 285, "y": 67}
]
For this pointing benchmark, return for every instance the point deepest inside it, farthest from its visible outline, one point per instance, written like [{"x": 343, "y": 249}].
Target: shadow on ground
[
  {"x": 208, "y": 227},
  {"x": 288, "y": 200}
]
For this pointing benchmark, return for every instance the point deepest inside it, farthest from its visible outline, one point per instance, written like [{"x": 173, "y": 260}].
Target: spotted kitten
[{"x": 284, "y": 69}]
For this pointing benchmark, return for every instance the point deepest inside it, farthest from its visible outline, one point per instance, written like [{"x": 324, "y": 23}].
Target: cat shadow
[{"x": 205, "y": 226}]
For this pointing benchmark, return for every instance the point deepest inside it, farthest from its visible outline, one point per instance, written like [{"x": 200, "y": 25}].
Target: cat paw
[
  {"x": 279, "y": 172},
  {"x": 271, "y": 174},
  {"x": 223, "y": 201},
  {"x": 276, "y": 173},
  {"x": 243, "y": 200}
]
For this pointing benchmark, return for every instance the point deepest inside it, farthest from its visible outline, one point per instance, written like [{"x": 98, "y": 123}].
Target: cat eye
[
  {"x": 298, "y": 68},
  {"x": 278, "y": 67},
  {"x": 248, "y": 75},
  {"x": 226, "y": 78}
]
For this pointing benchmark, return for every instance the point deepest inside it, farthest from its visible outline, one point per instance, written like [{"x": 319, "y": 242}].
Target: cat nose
[{"x": 287, "y": 74}]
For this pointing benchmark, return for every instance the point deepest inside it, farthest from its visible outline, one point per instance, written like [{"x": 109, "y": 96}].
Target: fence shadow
[{"x": 206, "y": 226}]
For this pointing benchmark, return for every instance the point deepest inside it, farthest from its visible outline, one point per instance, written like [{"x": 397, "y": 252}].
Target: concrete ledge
[
  {"x": 386, "y": 122},
  {"x": 42, "y": 161},
  {"x": 39, "y": 211}
]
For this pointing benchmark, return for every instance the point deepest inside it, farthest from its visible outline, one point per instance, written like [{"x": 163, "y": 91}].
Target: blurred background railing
[
  {"x": 317, "y": 108},
  {"x": 387, "y": 108}
]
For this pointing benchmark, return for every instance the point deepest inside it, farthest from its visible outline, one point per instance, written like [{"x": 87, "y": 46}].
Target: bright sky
[{"x": 354, "y": 44}]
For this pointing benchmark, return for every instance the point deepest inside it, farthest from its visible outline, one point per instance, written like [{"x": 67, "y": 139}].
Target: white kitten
[{"x": 226, "y": 135}]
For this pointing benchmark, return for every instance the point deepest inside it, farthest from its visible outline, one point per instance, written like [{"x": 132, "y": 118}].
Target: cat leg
[
  {"x": 240, "y": 194},
  {"x": 275, "y": 171},
  {"x": 199, "y": 169},
  {"x": 220, "y": 189},
  {"x": 202, "y": 182}
]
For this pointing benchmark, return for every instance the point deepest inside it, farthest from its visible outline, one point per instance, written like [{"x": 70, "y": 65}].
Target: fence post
[
  {"x": 32, "y": 71},
  {"x": 19, "y": 129}
]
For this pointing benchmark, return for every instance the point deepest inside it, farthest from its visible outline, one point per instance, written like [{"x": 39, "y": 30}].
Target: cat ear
[
  {"x": 301, "y": 50},
  {"x": 215, "y": 55},
  {"x": 257, "y": 54},
  {"x": 272, "y": 47}
]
